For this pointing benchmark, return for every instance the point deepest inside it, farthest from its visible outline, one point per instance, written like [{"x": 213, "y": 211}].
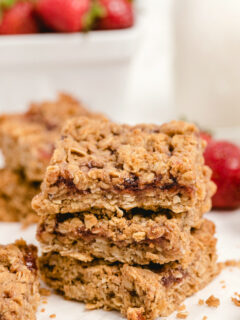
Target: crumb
[
  {"x": 204, "y": 318},
  {"x": 222, "y": 281},
  {"x": 44, "y": 302},
  {"x": 90, "y": 306},
  {"x": 236, "y": 300},
  {"x": 52, "y": 316},
  {"x": 201, "y": 302},
  {"x": 229, "y": 263},
  {"x": 181, "y": 308},
  {"x": 182, "y": 315},
  {"x": 224, "y": 286},
  {"x": 42, "y": 310},
  {"x": 213, "y": 302},
  {"x": 44, "y": 292}
]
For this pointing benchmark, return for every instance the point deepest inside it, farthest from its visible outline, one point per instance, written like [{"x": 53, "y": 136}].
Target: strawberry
[
  {"x": 64, "y": 15},
  {"x": 116, "y": 14},
  {"x": 17, "y": 17},
  {"x": 224, "y": 159}
]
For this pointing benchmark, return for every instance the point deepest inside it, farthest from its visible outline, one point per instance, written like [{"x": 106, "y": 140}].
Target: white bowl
[{"x": 94, "y": 67}]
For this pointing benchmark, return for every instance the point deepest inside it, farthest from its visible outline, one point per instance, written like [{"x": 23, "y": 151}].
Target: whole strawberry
[
  {"x": 116, "y": 14},
  {"x": 64, "y": 15},
  {"x": 224, "y": 159},
  {"x": 17, "y": 17}
]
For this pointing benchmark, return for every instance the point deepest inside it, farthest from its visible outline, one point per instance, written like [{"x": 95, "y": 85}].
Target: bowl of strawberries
[{"x": 85, "y": 47}]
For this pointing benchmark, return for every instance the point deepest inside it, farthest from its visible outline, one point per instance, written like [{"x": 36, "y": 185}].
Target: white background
[{"x": 151, "y": 91}]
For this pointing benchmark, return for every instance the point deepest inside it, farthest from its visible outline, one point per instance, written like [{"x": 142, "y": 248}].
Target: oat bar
[
  {"x": 27, "y": 140},
  {"x": 19, "y": 285},
  {"x": 102, "y": 165},
  {"x": 16, "y": 194},
  {"x": 139, "y": 237},
  {"x": 138, "y": 292}
]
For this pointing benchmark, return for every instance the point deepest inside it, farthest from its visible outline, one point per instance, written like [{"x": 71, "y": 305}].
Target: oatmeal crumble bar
[
  {"x": 138, "y": 237},
  {"x": 19, "y": 295},
  {"x": 31, "y": 136},
  {"x": 103, "y": 165},
  {"x": 138, "y": 292},
  {"x": 16, "y": 194}
]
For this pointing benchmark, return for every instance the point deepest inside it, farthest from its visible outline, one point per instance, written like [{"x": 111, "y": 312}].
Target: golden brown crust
[
  {"x": 101, "y": 164},
  {"x": 19, "y": 285},
  {"x": 32, "y": 135}
]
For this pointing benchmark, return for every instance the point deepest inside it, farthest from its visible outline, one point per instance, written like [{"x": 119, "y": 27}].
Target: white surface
[{"x": 228, "y": 233}]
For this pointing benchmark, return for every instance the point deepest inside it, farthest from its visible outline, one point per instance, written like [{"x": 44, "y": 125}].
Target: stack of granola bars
[
  {"x": 122, "y": 216},
  {"x": 27, "y": 141}
]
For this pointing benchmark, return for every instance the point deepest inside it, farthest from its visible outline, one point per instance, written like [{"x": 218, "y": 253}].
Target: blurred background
[{"x": 180, "y": 60}]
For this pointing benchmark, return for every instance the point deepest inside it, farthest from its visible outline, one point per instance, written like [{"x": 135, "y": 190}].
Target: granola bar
[
  {"x": 102, "y": 165},
  {"x": 138, "y": 237},
  {"x": 19, "y": 285},
  {"x": 137, "y": 292},
  {"x": 16, "y": 194},
  {"x": 27, "y": 140}
]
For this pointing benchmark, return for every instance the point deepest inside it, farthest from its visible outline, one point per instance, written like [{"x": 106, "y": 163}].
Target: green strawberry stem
[
  {"x": 6, "y": 4},
  {"x": 97, "y": 11}
]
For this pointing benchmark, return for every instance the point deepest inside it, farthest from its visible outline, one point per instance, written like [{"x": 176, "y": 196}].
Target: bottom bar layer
[{"x": 138, "y": 292}]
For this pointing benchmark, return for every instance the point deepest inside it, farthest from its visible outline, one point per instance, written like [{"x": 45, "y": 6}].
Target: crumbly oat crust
[
  {"x": 32, "y": 135},
  {"x": 139, "y": 237},
  {"x": 100, "y": 164},
  {"x": 138, "y": 292},
  {"x": 19, "y": 296},
  {"x": 16, "y": 194}
]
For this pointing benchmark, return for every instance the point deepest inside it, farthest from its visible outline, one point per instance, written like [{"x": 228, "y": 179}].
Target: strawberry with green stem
[
  {"x": 116, "y": 14},
  {"x": 64, "y": 15}
]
